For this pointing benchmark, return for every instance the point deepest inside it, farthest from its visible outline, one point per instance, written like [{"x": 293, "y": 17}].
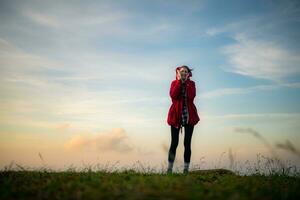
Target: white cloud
[
  {"x": 33, "y": 85},
  {"x": 260, "y": 59},
  {"x": 15, "y": 59},
  {"x": 69, "y": 19},
  {"x": 264, "y": 43},
  {"x": 42, "y": 19},
  {"x": 288, "y": 116},
  {"x": 244, "y": 90}
]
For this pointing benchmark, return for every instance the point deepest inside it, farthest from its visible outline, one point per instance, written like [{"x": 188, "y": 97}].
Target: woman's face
[{"x": 183, "y": 72}]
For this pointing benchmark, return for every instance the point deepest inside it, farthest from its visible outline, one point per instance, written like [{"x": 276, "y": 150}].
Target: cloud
[
  {"x": 115, "y": 140},
  {"x": 101, "y": 19},
  {"x": 20, "y": 61},
  {"x": 260, "y": 59},
  {"x": 63, "y": 126},
  {"x": 33, "y": 85},
  {"x": 244, "y": 90},
  {"x": 288, "y": 116},
  {"x": 65, "y": 18},
  {"x": 42, "y": 19},
  {"x": 265, "y": 43},
  {"x": 247, "y": 130}
]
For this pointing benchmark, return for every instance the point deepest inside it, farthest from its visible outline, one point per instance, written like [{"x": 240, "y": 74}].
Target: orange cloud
[
  {"x": 114, "y": 140},
  {"x": 63, "y": 126}
]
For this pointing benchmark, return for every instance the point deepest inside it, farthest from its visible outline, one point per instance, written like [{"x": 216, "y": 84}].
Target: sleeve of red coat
[
  {"x": 192, "y": 91},
  {"x": 175, "y": 89}
]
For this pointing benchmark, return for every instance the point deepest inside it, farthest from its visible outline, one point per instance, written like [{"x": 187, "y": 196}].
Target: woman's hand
[{"x": 178, "y": 75}]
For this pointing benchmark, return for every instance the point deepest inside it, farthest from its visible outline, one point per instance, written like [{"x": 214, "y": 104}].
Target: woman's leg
[
  {"x": 174, "y": 144},
  {"x": 188, "y": 132}
]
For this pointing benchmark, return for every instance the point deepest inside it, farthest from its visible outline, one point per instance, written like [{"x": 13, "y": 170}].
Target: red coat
[{"x": 175, "y": 110}]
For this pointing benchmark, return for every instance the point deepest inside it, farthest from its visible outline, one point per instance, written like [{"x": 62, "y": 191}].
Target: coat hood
[{"x": 189, "y": 74}]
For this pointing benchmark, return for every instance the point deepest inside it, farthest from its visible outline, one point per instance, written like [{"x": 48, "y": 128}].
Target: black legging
[{"x": 188, "y": 132}]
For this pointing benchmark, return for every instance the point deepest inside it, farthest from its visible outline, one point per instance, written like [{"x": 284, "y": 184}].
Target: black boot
[{"x": 185, "y": 171}]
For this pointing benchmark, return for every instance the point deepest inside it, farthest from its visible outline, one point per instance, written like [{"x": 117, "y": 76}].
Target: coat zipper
[
  {"x": 187, "y": 108},
  {"x": 180, "y": 116}
]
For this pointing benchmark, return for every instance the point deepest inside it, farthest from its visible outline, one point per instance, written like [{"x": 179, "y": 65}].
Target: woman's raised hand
[{"x": 178, "y": 75}]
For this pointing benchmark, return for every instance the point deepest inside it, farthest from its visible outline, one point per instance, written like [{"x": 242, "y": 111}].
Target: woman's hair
[{"x": 189, "y": 69}]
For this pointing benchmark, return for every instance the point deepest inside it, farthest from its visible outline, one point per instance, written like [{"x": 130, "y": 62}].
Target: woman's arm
[
  {"x": 175, "y": 89},
  {"x": 192, "y": 91}
]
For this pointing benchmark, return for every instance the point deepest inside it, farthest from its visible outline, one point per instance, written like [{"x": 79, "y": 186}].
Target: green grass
[
  {"x": 131, "y": 184},
  {"x": 267, "y": 178}
]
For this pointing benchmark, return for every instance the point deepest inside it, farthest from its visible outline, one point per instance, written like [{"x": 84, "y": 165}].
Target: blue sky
[{"x": 72, "y": 73}]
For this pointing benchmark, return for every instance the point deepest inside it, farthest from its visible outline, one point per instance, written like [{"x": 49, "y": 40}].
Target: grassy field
[
  {"x": 267, "y": 178},
  {"x": 131, "y": 184}
]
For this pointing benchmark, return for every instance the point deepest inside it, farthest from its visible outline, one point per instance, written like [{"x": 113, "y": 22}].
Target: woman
[{"x": 182, "y": 113}]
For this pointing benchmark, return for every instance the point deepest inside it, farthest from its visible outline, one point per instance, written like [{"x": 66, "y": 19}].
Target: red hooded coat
[{"x": 175, "y": 110}]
